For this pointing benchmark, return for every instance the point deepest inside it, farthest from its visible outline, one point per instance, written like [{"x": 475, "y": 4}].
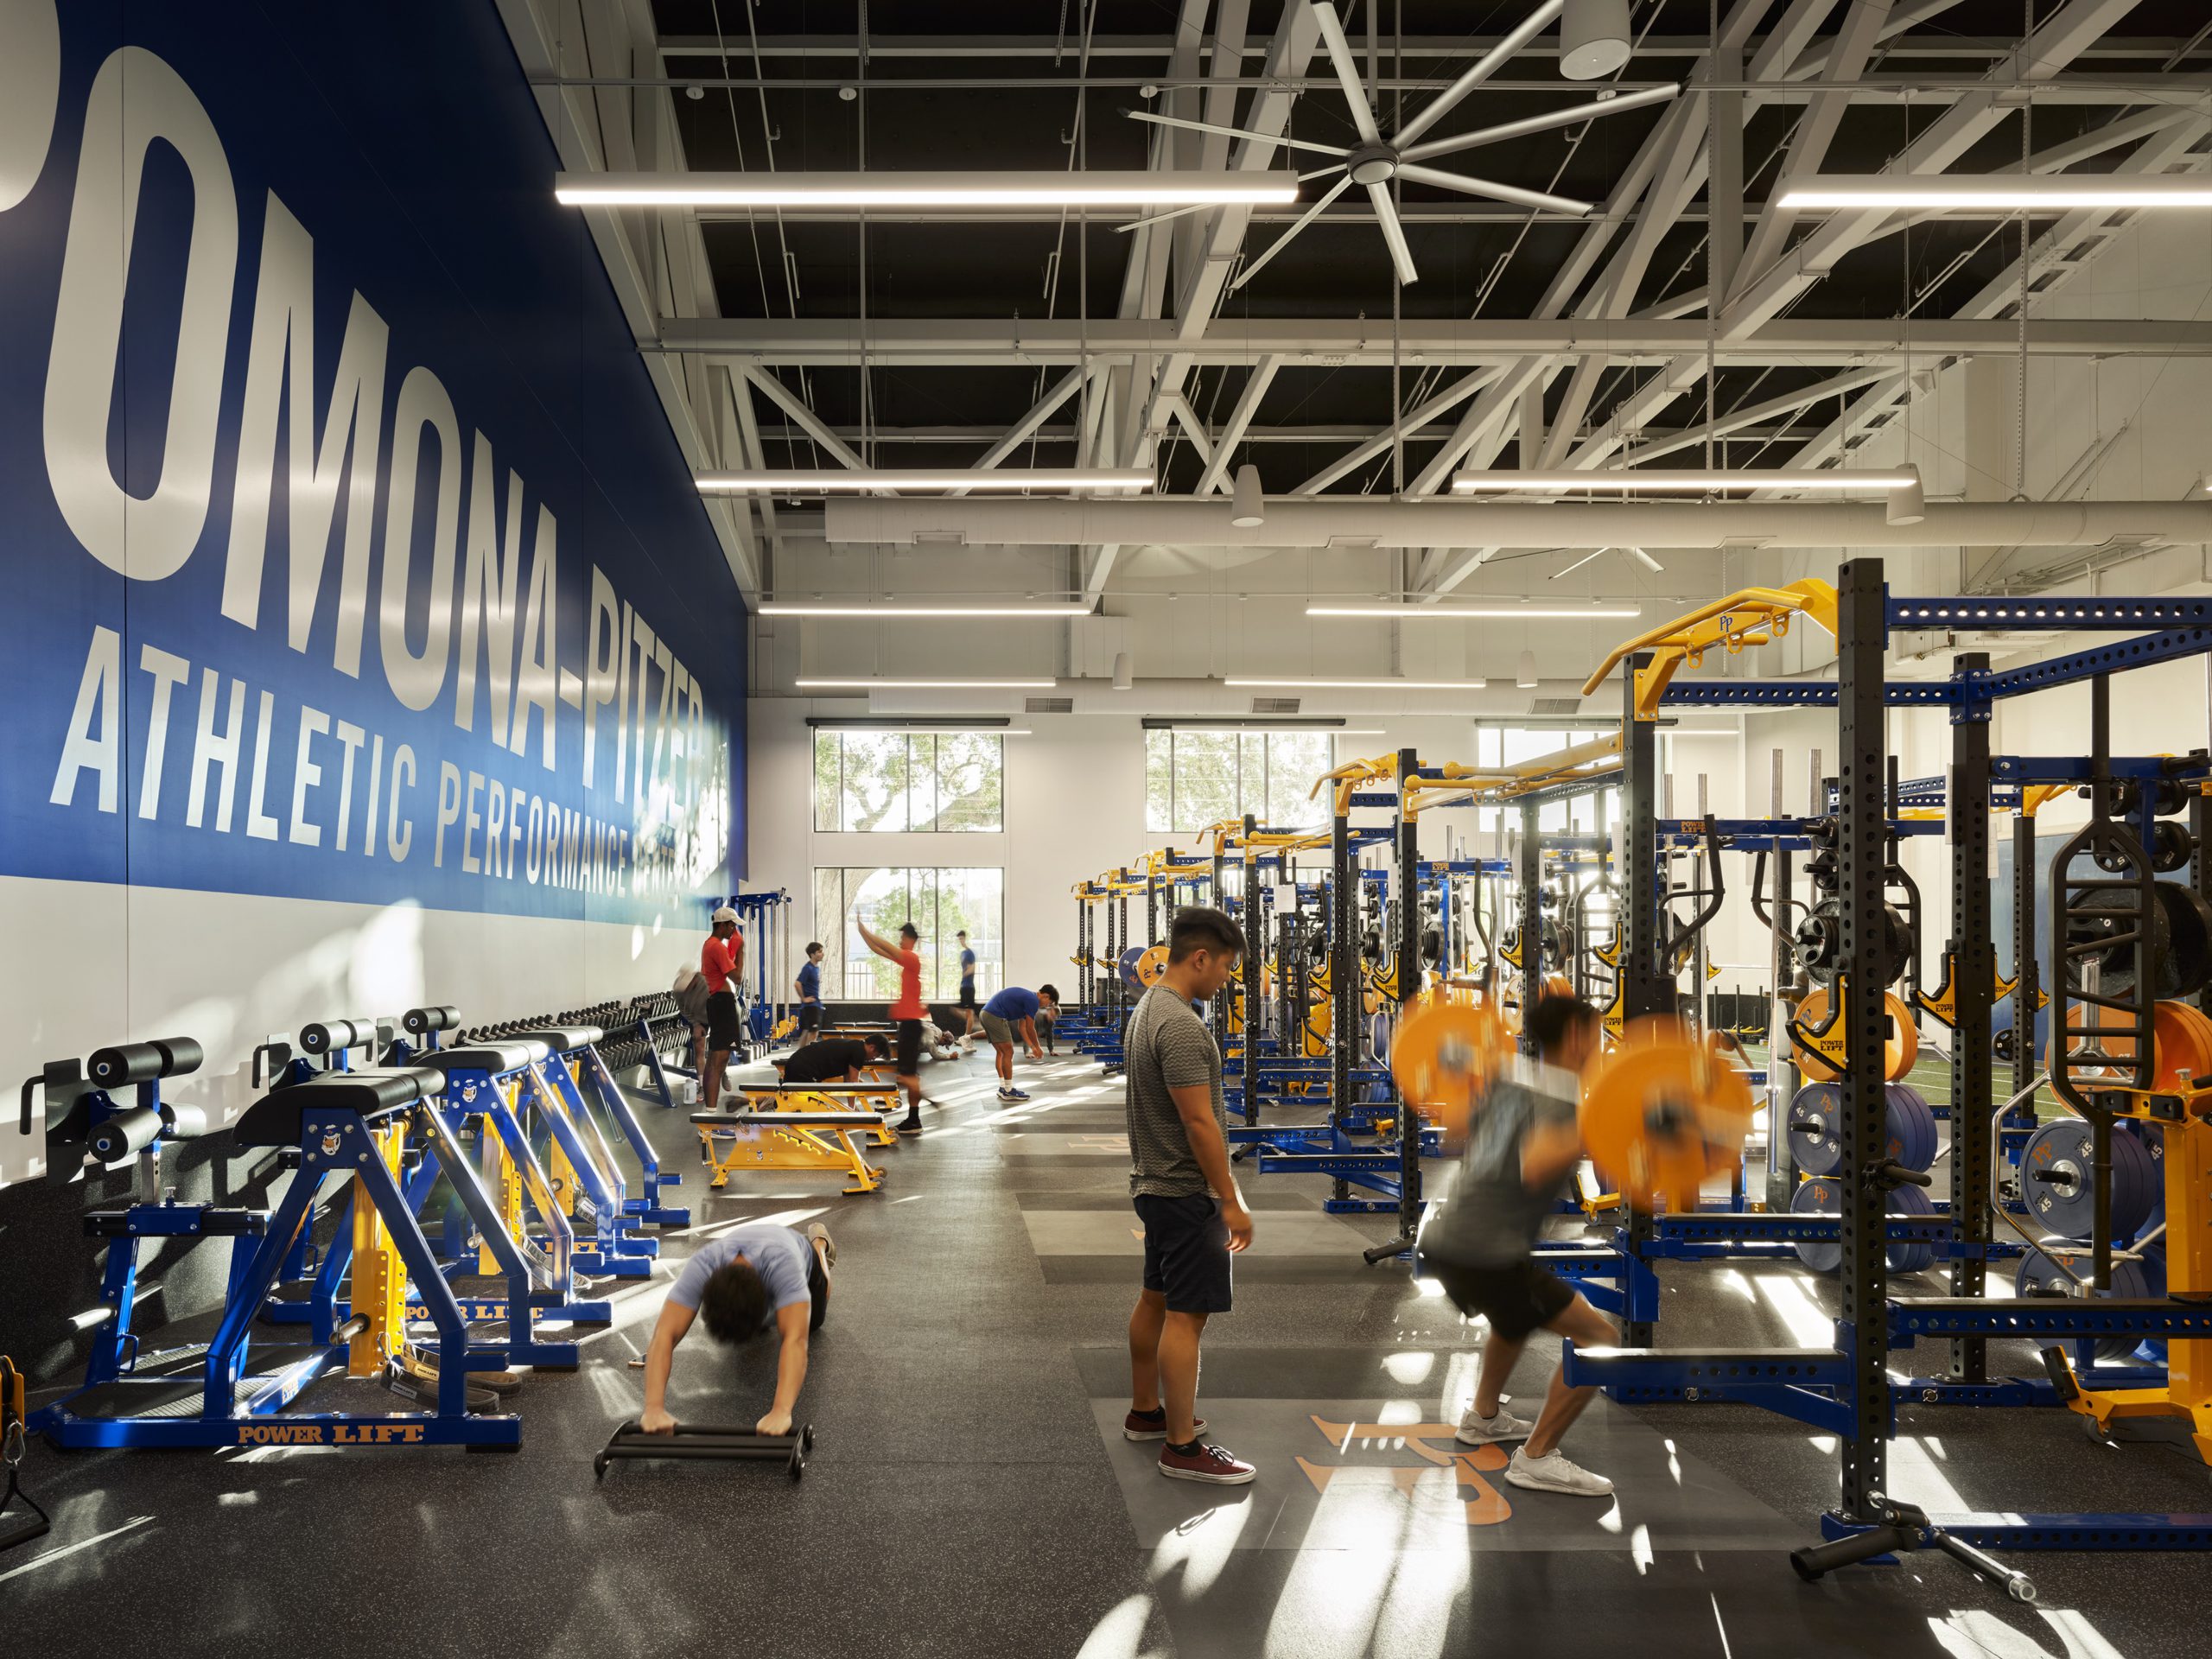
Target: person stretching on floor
[
  {"x": 835, "y": 1059},
  {"x": 1194, "y": 1217},
  {"x": 908, "y": 1011},
  {"x": 809, "y": 986},
  {"x": 1013, "y": 1013},
  {"x": 754, "y": 1278},
  {"x": 1522, "y": 1148}
]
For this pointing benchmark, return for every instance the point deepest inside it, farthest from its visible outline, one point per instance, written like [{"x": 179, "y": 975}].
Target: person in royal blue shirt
[
  {"x": 1015, "y": 1010},
  {"x": 967, "y": 1004},
  {"x": 809, "y": 984}
]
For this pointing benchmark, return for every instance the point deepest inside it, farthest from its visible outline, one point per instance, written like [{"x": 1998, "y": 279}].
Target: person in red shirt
[
  {"x": 907, "y": 1011},
  {"x": 721, "y": 961}
]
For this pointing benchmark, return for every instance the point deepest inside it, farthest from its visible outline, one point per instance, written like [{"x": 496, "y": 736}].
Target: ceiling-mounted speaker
[
  {"x": 1248, "y": 506},
  {"x": 1593, "y": 37},
  {"x": 1908, "y": 502}
]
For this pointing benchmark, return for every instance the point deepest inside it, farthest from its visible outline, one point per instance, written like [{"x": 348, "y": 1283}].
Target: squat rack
[{"x": 1846, "y": 1390}]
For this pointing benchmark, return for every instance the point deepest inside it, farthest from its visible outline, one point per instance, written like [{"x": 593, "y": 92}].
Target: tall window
[
  {"x": 940, "y": 902},
  {"x": 1509, "y": 745},
  {"x": 905, "y": 781},
  {"x": 1194, "y": 779}
]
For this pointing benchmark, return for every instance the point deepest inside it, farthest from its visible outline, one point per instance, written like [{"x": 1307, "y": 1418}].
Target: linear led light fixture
[
  {"x": 1241, "y": 722},
  {"x": 810, "y": 608},
  {"x": 1178, "y": 189},
  {"x": 1366, "y": 685},
  {"x": 1493, "y": 612},
  {"x": 925, "y": 685},
  {"x": 816, "y": 481},
  {"x": 909, "y": 722},
  {"x": 1698, "y": 482},
  {"x": 2001, "y": 191}
]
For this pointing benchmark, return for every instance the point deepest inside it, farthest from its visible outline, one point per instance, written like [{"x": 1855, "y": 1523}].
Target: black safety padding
[
  {"x": 126, "y": 1063},
  {"x": 420, "y": 1021},
  {"x": 274, "y": 1120},
  {"x": 180, "y": 1056},
  {"x": 128, "y": 1132},
  {"x": 486, "y": 1057},
  {"x": 331, "y": 1036},
  {"x": 560, "y": 1039}
]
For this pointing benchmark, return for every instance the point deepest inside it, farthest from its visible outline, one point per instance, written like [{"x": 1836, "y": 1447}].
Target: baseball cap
[{"x": 722, "y": 913}]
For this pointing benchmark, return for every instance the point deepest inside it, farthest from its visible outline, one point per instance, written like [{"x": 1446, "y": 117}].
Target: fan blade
[
  {"x": 1385, "y": 215},
  {"x": 1297, "y": 225},
  {"x": 1483, "y": 69},
  {"x": 1574, "y": 115},
  {"x": 1512, "y": 193},
  {"x": 1347, "y": 67},
  {"x": 1234, "y": 132}
]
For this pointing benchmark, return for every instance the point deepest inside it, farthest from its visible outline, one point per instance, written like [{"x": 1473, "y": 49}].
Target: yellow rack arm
[{"x": 1752, "y": 617}]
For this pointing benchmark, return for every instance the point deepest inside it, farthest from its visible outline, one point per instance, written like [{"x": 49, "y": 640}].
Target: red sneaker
[
  {"x": 1150, "y": 1425},
  {"x": 1210, "y": 1464}
]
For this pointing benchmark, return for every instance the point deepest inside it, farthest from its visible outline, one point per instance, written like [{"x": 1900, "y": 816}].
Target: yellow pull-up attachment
[
  {"x": 1755, "y": 616},
  {"x": 1350, "y": 776}
]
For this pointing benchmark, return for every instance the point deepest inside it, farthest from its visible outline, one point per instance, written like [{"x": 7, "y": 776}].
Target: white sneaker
[
  {"x": 1553, "y": 1473},
  {"x": 1489, "y": 1431}
]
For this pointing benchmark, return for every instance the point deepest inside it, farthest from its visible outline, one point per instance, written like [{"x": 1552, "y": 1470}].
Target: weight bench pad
[
  {"x": 561, "y": 1039},
  {"x": 494, "y": 1057},
  {"x": 274, "y": 1120},
  {"x": 787, "y": 1120}
]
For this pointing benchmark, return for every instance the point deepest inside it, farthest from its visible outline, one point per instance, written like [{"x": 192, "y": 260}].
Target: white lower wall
[{"x": 92, "y": 965}]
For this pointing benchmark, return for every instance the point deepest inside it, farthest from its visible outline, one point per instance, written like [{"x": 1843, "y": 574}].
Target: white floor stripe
[{"x": 71, "y": 1550}]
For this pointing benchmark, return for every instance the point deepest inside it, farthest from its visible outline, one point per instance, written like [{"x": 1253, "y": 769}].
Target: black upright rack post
[
  {"x": 1117, "y": 941},
  {"x": 1861, "y": 856},
  {"x": 2027, "y": 966},
  {"x": 1343, "y": 964},
  {"x": 1644, "y": 987},
  {"x": 1082, "y": 951},
  {"x": 1220, "y": 899},
  {"x": 1530, "y": 874},
  {"x": 1973, "y": 972},
  {"x": 1408, "y": 965}
]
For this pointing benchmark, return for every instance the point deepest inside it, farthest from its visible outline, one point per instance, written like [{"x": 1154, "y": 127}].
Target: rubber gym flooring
[{"x": 970, "y": 1493}]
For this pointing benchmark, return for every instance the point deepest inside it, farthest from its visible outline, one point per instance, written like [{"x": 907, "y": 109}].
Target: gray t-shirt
[
  {"x": 1167, "y": 1047},
  {"x": 1492, "y": 1219}
]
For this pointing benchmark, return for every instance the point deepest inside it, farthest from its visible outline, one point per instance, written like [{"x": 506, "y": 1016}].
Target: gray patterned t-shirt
[{"x": 1168, "y": 1047}]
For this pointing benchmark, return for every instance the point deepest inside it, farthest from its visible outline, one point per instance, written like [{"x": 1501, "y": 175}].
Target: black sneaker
[{"x": 909, "y": 1125}]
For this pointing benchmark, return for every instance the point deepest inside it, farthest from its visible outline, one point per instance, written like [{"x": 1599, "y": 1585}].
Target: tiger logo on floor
[{"x": 1432, "y": 1443}]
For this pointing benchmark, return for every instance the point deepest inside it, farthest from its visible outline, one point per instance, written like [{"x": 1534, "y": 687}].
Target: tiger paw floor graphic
[{"x": 1426, "y": 1485}]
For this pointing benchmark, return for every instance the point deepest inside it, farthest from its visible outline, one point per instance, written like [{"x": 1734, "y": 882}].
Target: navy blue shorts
[{"x": 1186, "y": 1252}]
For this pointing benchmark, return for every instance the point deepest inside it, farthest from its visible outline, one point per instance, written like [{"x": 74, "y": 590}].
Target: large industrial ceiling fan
[{"x": 1377, "y": 159}]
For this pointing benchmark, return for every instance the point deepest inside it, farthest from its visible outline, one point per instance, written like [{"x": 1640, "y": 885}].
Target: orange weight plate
[
  {"x": 2183, "y": 1038},
  {"x": 1661, "y": 1113},
  {"x": 1445, "y": 1054},
  {"x": 1900, "y": 1048},
  {"x": 1152, "y": 964}
]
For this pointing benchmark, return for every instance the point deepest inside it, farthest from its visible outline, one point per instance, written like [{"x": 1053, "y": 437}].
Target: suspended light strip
[
  {"x": 817, "y": 481},
  {"x": 1423, "y": 613},
  {"x": 925, "y": 685},
  {"x": 803, "y": 608},
  {"x": 1367, "y": 685},
  {"x": 1694, "y": 482},
  {"x": 1193, "y": 187},
  {"x": 1999, "y": 191}
]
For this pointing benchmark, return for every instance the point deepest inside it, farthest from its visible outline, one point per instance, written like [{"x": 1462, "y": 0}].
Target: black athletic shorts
[
  {"x": 722, "y": 1034},
  {"x": 818, "y": 1287},
  {"x": 967, "y": 994},
  {"x": 1516, "y": 1299},
  {"x": 810, "y": 1016},
  {"x": 1186, "y": 1252},
  {"x": 910, "y": 1048}
]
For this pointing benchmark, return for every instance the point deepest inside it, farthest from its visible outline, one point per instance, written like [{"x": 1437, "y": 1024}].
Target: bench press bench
[
  {"x": 783, "y": 1097},
  {"x": 793, "y": 1140}
]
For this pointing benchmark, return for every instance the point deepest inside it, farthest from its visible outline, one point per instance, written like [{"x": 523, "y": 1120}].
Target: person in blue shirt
[
  {"x": 809, "y": 984},
  {"x": 755, "y": 1278},
  {"x": 1015, "y": 1010},
  {"x": 967, "y": 1003}
]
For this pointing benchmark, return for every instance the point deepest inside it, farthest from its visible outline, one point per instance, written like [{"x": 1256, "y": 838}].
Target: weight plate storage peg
[
  {"x": 2046, "y": 1273},
  {"x": 1823, "y": 1195},
  {"x": 1816, "y": 1117}
]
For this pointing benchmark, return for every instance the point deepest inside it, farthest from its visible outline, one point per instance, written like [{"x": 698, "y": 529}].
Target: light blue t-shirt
[
  {"x": 809, "y": 983},
  {"x": 779, "y": 1256},
  {"x": 967, "y": 971},
  {"x": 1013, "y": 1005}
]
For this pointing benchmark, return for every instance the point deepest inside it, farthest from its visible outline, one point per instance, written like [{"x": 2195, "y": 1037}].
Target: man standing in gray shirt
[{"x": 1194, "y": 1217}]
